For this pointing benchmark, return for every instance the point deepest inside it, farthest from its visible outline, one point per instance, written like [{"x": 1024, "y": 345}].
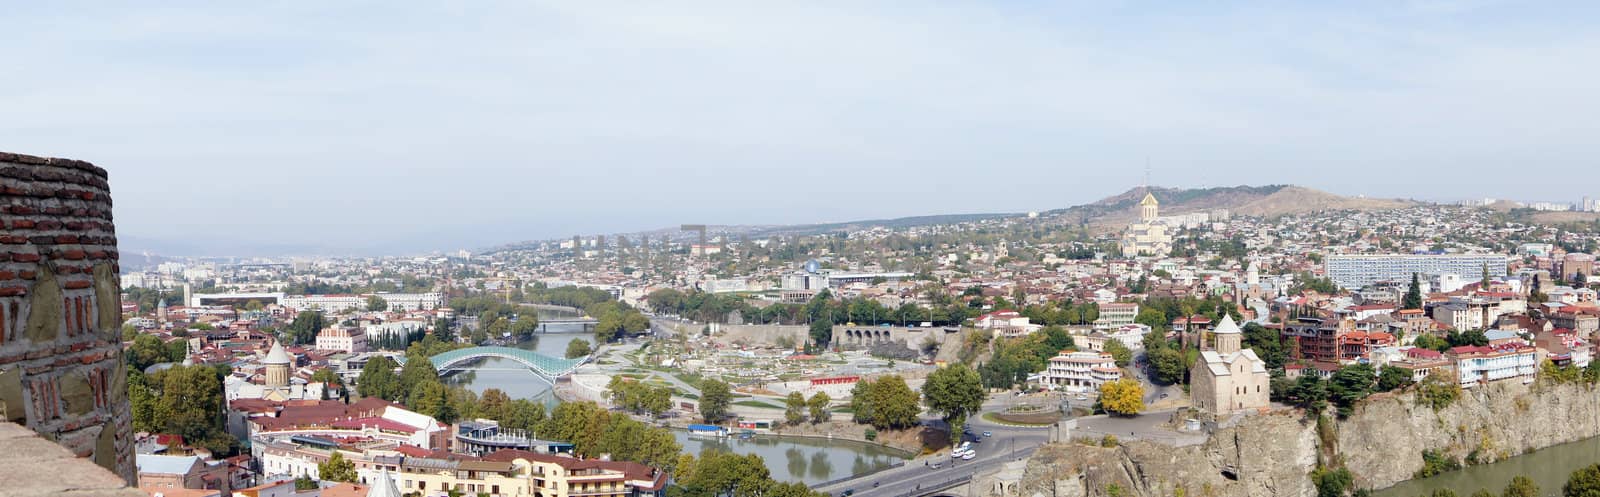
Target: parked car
[
  {"x": 847, "y": 492},
  {"x": 987, "y": 434},
  {"x": 969, "y": 455}
]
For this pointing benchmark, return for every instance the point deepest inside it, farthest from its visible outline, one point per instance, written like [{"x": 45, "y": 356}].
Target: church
[
  {"x": 1229, "y": 378},
  {"x": 279, "y": 385},
  {"x": 1150, "y": 235}
]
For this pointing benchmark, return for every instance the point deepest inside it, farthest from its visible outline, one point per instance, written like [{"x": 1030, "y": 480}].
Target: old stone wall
[{"x": 61, "y": 371}]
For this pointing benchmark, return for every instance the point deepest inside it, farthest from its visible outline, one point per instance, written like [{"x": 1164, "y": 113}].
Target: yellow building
[{"x": 518, "y": 473}]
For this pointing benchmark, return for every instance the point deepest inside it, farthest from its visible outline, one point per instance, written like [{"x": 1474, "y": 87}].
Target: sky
[{"x": 400, "y": 127}]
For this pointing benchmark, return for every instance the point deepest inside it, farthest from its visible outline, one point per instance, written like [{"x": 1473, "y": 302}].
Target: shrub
[
  {"x": 1438, "y": 391},
  {"x": 1109, "y": 441},
  {"x": 1435, "y": 462}
]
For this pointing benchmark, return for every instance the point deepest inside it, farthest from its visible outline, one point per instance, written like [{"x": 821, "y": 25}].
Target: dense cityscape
[
  {"x": 725, "y": 359},
  {"x": 536, "y": 248}
]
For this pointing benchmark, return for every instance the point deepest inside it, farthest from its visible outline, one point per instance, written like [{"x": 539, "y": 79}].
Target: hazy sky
[{"x": 398, "y": 126}]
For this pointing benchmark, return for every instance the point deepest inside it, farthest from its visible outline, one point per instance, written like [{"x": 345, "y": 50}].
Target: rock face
[
  {"x": 1273, "y": 454},
  {"x": 61, "y": 371}
]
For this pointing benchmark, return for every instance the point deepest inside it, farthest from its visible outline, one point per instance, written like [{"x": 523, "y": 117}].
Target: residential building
[
  {"x": 340, "y": 338},
  {"x": 157, "y": 473},
  {"x": 1116, "y": 315},
  {"x": 1316, "y": 338},
  {"x": 1477, "y": 365},
  {"x": 1081, "y": 371},
  {"x": 1356, "y": 271}
]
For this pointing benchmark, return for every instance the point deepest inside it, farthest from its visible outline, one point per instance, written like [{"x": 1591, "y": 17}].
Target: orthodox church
[
  {"x": 1150, "y": 235},
  {"x": 1229, "y": 378}
]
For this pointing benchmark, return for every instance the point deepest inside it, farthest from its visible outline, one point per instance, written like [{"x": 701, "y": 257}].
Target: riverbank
[{"x": 907, "y": 441}]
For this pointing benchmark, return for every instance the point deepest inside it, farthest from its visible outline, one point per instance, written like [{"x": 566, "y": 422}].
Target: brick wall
[{"x": 61, "y": 371}]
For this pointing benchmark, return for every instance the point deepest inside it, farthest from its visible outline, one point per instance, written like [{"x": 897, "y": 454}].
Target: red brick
[
  {"x": 8, "y": 275},
  {"x": 21, "y": 210},
  {"x": 27, "y": 275},
  {"x": 66, "y": 238},
  {"x": 77, "y": 285},
  {"x": 12, "y": 291},
  {"x": 73, "y": 255},
  {"x": 22, "y": 224},
  {"x": 25, "y": 257}
]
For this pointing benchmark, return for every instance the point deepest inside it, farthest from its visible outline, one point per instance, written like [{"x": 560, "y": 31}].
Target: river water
[
  {"x": 1549, "y": 467},
  {"x": 793, "y": 459},
  {"x": 805, "y": 460}
]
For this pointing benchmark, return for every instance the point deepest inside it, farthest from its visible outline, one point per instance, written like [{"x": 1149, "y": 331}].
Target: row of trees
[
  {"x": 798, "y": 409},
  {"x": 1344, "y": 389},
  {"x": 639, "y": 397}
]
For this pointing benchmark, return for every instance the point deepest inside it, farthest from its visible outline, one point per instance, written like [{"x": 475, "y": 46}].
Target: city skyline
[{"x": 441, "y": 127}]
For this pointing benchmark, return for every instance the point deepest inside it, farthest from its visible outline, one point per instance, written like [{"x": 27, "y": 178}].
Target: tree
[
  {"x": 819, "y": 407},
  {"x": 337, "y": 469},
  {"x": 1391, "y": 377},
  {"x": 1521, "y": 486},
  {"x": 330, "y": 380},
  {"x": 794, "y": 408},
  {"x": 821, "y": 332},
  {"x": 1309, "y": 392},
  {"x": 1413, "y": 298},
  {"x": 1124, "y": 397},
  {"x": 892, "y": 403},
  {"x": 1584, "y": 482},
  {"x": 955, "y": 392},
  {"x": 578, "y": 347},
  {"x": 1349, "y": 385},
  {"x": 715, "y": 397},
  {"x": 378, "y": 379},
  {"x": 376, "y": 303},
  {"x": 305, "y": 483},
  {"x": 305, "y": 327},
  {"x": 1267, "y": 343},
  {"x": 1120, "y": 352},
  {"x": 1166, "y": 365}
]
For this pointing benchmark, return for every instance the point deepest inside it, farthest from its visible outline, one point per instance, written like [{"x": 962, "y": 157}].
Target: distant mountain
[
  {"x": 1261, "y": 201},
  {"x": 903, "y": 222}
]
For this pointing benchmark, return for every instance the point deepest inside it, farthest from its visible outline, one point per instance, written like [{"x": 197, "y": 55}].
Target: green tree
[
  {"x": 1413, "y": 298},
  {"x": 305, "y": 483},
  {"x": 578, "y": 347},
  {"x": 1120, "y": 352},
  {"x": 1124, "y": 397},
  {"x": 331, "y": 381},
  {"x": 1166, "y": 365},
  {"x": 337, "y": 469},
  {"x": 819, "y": 407},
  {"x": 1391, "y": 377},
  {"x": 1309, "y": 392},
  {"x": 378, "y": 379},
  {"x": 1349, "y": 385},
  {"x": 1267, "y": 343},
  {"x": 954, "y": 392},
  {"x": 1521, "y": 486},
  {"x": 304, "y": 328},
  {"x": 1584, "y": 482},
  {"x": 376, "y": 303},
  {"x": 715, "y": 397},
  {"x": 821, "y": 333},
  {"x": 893, "y": 404},
  {"x": 417, "y": 370},
  {"x": 794, "y": 408}
]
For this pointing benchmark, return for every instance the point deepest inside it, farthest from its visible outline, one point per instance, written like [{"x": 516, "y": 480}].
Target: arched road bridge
[{"x": 545, "y": 366}]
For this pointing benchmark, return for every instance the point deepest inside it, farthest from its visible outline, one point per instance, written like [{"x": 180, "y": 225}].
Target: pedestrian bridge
[{"x": 543, "y": 365}]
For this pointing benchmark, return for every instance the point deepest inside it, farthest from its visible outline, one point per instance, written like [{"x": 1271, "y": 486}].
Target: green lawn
[{"x": 756, "y": 404}]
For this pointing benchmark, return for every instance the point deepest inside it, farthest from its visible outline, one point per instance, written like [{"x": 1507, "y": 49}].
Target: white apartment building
[
  {"x": 1116, "y": 315},
  {"x": 1081, "y": 371},
  {"x": 1477, "y": 365},
  {"x": 349, "y": 340},
  {"x": 1357, "y": 271}
]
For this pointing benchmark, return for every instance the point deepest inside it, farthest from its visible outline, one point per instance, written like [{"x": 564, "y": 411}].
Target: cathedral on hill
[{"x": 1150, "y": 235}]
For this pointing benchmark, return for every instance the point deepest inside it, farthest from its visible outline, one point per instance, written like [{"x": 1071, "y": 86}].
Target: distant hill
[
  {"x": 1261, "y": 201},
  {"x": 902, "y": 222}
]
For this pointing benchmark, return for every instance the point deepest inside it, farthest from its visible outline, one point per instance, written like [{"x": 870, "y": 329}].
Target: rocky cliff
[{"x": 1272, "y": 454}]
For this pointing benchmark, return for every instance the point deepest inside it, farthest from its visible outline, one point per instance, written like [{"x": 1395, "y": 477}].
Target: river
[
  {"x": 793, "y": 459},
  {"x": 1549, "y": 467},
  {"x": 805, "y": 460}
]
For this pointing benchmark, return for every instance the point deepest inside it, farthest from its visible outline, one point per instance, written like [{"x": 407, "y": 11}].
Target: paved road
[
  {"x": 1007, "y": 444},
  {"x": 1153, "y": 392}
]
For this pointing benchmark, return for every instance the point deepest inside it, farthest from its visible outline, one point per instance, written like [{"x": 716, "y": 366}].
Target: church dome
[
  {"x": 1227, "y": 326},
  {"x": 277, "y": 355}
]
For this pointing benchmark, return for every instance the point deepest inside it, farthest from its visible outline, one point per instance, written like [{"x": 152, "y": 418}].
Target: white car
[{"x": 969, "y": 455}]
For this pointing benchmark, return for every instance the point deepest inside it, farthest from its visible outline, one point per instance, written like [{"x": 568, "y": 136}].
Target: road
[
  {"x": 1152, "y": 391},
  {"x": 1007, "y": 444}
]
